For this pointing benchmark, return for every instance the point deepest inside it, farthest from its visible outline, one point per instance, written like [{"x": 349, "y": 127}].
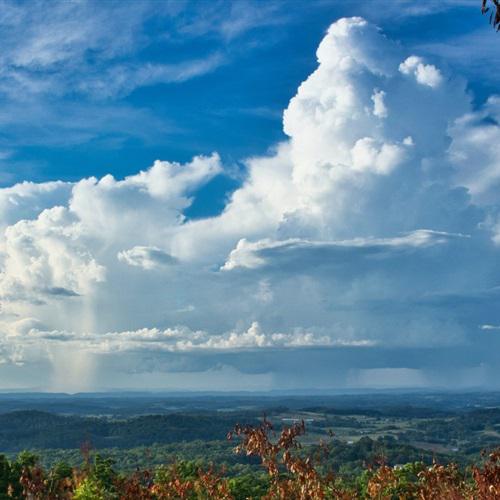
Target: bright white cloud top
[{"x": 366, "y": 243}]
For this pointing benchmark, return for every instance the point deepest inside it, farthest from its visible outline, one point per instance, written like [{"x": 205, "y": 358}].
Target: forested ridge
[{"x": 36, "y": 429}]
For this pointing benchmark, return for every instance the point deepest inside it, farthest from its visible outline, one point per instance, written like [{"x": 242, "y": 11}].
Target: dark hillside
[{"x": 34, "y": 429}]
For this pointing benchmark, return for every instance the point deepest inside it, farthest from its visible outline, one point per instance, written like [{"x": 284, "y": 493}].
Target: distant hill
[{"x": 36, "y": 429}]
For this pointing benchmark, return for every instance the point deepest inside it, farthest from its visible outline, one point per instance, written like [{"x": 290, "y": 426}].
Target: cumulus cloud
[
  {"x": 343, "y": 151},
  {"x": 379, "y": 108},
  {"x": 140, "y": 204},
  {"x": 369, "y": 236},
  {"x": 47, "y": 255},
  {"x": 27, "y": 199},
  {"x": 425, "y": 74},
  {"x": 182, "y": 339}
]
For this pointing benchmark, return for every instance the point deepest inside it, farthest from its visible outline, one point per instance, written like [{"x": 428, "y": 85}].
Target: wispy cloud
[
  {"x": 474, "y": 53},
  {"x": 399, "y": 9},
  {"x": 490, "y": 327},
  {"x": 64, "y": 124},
  {"x": 230, "y": 20},
  {"x": 67, "y": 47},
  {"x": 122, "y": 79},
  {"x": 67, "y": 68}
]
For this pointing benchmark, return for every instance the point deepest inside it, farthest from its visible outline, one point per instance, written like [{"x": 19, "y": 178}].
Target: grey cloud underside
[
  {"x": 146, "y": 257},
  {"x": 61, "y": 291},
  {"x": 363, "y": 249}
]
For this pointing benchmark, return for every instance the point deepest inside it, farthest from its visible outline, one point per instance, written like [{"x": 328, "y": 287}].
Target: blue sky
[
  {"x": 81, "y": 97},
  {"x": 203, "y": 195}
]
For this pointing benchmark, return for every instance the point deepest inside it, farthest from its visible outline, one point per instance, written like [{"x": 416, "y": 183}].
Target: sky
[{"x": 249, "y": 195}]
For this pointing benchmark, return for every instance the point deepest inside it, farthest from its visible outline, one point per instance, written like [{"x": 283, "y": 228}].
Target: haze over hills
[{"x": 139, "y": 403}]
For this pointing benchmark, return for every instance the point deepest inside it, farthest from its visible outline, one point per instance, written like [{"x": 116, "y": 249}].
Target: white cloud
[
  {"x": 178, "y": 339},
  {"x": 490, "y": 327},
  {"x": 55, "y": 59},
  {"x": 379, "y": 107},
  {"x": 232, "y": 20},
  {"x": 338, "y": 143},
  {"x": 61, "y": 248},
  {"x": 27, "y": 199},
  {"x": 140, "y": 207},
  {"x": 373, "y": 225},
  {"x": 47, "y": 256},
  {"x": 121, "y": 80},
  {"x": 397, "y": 9},
  {"x": 379, "y": 158},
  {"x": 425, "y": 74}
]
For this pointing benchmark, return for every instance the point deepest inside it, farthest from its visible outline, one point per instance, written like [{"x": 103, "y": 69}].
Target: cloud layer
[{"x": 372, "y": 233}]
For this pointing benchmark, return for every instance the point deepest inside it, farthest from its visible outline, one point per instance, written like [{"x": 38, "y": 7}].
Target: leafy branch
[{"x": 494, "y": 12}]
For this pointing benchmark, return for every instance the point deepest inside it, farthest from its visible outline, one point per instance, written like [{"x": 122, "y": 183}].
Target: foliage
[
  {"x": 287, "y": 472},
  {"x": 494, "y": 13}
]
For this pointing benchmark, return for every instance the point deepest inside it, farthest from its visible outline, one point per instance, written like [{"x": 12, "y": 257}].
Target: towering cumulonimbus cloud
[{"x": 367, "y": 242}]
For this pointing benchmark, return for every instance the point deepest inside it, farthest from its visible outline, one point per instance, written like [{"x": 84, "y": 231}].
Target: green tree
[{"x": 5, "y": 477}]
